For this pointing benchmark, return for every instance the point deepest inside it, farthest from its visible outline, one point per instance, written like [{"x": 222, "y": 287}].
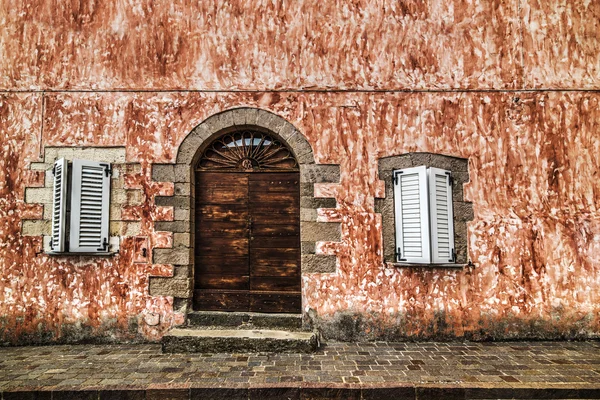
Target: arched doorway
[{"x": 247, "y": 225}]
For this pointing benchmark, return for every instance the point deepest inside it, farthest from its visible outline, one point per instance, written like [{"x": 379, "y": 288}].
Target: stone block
[
  {"x": 308, "y": 247},
  {"x": 48, "y": 211},
  {"x": 213, "y": 124},
  {"x": 114, "y": 214},
  {"x": 188, "y": 149},
  {"x": 40, "y": 166},
  {"x": 460, "y": 165},
  {"x": 182, "y": 189},
  {"x": 272, "y": 122},
  {"x": 300, "y": 145},
  {"x": 319, "y": 173},
  {"x": 38, "y": 195},
  {"x": 131, "y": 228},
  {"x": 52, "y": 154},
  {"x": 182, "y": 271},
  {"x": 307, "y": 158},
  {"x": 36, "y": 228},
  {"x": 172, "y": 226},
  {"x": 288, "y": 131},
  {"x": 395, "y": 162},
  {"x": 314, "y": 263},
  {"x": 418, "y": 159},
  {"x": 183, "y": 173},
  {"x": 163, "y": 172},
  {"x": 118, "y": 196},
  {"x": 251, "y": 115},
  {"x": 181, "y": 214},
  {"x": 463, "y": 211},
  {"x": 182, "y": 202},
  {"x": 311, "y": 202},
  {"x": 175, "y": 256},
  {"x": 134, "y": 197},
  {"x": 122, "y": 228},
  {"x": 114, "y": 228},
  {"x": 308, "y": 214},
  {"x": 307, "y": 189},
  {"x": 238, "y": 116},
  {"x": 320, "y": 231},
  {"x": 170, "y": 287},
  {"x": 182, "y": 240},
  {"x": 102, "y": 154}
]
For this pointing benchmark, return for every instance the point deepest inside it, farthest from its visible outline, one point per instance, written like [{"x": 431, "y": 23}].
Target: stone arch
[
  {"x": 181, "y": 255},
  {"x": 244, "y": 117}
]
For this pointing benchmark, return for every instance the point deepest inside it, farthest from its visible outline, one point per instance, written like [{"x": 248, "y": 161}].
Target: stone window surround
[
  {"x": 181, "y": 255},
  {"x": 43, "y": 195},
  {"x": 463, "y": 210}
]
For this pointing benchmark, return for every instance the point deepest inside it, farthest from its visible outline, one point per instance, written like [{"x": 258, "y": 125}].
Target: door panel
[{"x": 247, "y": 252}]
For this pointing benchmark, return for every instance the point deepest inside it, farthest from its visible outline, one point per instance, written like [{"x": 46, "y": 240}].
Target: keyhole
[{"x": 144, "y": 252}]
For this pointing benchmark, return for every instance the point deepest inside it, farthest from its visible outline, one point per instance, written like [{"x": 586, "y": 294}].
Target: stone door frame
[{"x": 181, "y": 255}]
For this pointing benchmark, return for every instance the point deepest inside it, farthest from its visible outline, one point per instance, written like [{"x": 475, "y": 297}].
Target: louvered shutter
[
  {"x": 90, "y": 201},
  {"x": 411, "y": 211},
  {"x": 59, "y": 206},
  {"x": 442, "y": 226}
]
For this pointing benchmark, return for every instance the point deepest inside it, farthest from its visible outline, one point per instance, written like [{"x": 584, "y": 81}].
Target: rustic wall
[{"x": 103, "y": 74}]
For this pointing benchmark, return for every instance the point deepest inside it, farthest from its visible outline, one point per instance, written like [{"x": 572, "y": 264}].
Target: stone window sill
[
  {"x": 56, "y": 254},
  {"x": 429, "y": 266}
]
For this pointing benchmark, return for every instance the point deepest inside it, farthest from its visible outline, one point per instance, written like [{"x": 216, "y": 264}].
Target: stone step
[
  {"x": 194, "y": 340},
  {"x": 245, "y": 320}
]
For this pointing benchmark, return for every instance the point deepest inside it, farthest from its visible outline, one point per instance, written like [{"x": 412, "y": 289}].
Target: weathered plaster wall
[{"x": 81, "y": 74}]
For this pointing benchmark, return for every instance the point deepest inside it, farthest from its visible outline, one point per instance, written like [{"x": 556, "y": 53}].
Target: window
[
  {"x": 423, "y": 210},
  {"x": 80, "y": 209}
]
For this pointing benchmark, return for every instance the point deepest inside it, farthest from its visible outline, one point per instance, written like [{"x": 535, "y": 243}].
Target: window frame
[
  {"x": 67, "y": 191},
  {"x": 384, "y": 205}
]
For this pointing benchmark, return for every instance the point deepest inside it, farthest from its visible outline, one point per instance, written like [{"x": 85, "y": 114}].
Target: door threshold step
[
  {"x": 242, "y": 320},
  {"x": 189, "y": 340}
]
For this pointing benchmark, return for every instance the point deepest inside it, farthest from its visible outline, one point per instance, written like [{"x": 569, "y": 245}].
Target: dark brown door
[{"x": 247, "y": 242}]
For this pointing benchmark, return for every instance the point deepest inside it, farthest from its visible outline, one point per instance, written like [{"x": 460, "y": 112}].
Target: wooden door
[{"x": 247, "y": 252}]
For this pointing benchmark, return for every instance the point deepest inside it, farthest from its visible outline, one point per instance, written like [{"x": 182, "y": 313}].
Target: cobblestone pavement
[{"x": 347, "y": 370}]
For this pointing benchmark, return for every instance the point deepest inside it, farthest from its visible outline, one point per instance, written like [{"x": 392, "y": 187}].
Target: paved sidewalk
[{"x": 342, "y": 370}]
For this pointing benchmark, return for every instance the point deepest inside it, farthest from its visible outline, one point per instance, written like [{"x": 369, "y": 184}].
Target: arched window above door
[{"x": 247, "y": 151}]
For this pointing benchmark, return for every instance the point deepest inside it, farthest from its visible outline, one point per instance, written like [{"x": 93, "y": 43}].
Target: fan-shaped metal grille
[{"x": 247, "y": 151}]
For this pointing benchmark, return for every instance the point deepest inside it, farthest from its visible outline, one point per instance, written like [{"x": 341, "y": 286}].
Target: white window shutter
[
  {"x": 442, "y": 224},
  {"x": 90, "y": 201},
  {"x": 411, "y": 211},
  {"x": 59, "y": 206}
]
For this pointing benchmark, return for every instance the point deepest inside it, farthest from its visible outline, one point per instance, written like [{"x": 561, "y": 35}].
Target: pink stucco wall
[{"x": 510, "y": 85}]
